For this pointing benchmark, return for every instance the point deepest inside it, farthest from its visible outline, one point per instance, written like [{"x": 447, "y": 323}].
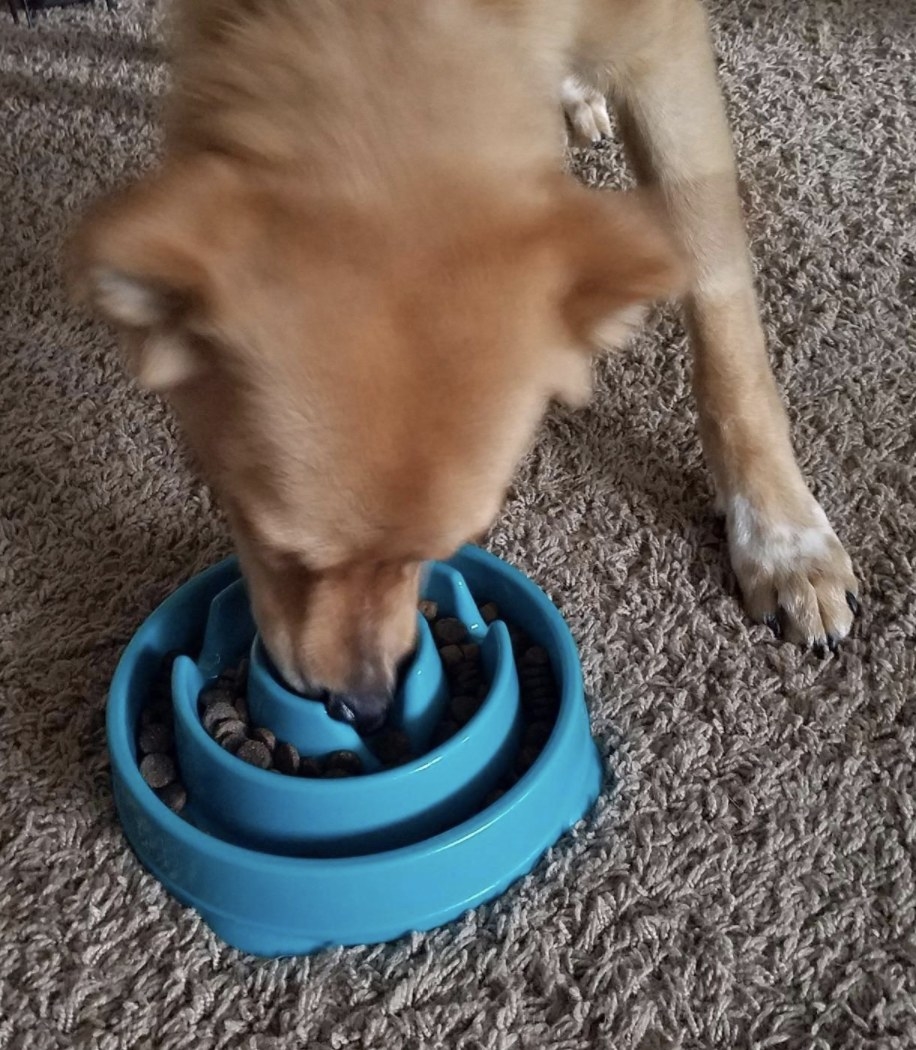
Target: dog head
[{"x": 359, "y": 384}]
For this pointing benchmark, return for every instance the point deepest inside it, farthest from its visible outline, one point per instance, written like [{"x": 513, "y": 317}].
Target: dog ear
[
  {"x": 140, "y": 260},
  {"x": 618, "y": 257}
]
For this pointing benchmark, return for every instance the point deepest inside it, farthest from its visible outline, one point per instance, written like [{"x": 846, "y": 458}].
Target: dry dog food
[
  {"x": 256, "y": 753},
  {"x": 156, "y": 739},
  {"x": 224, "y": 714},
  {"x": 158, "y": 770}
]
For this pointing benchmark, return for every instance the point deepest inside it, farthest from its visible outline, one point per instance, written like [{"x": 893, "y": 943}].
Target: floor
[{"x": 748, "y": 881}]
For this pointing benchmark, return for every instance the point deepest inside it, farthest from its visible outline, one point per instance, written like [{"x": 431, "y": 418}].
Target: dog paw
[
  {"x": 794, "y": 574},
  {"x": 586, "y": 110}
]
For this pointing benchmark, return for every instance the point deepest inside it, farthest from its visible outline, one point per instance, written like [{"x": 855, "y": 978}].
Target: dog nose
[{"x": 366, "y": 712}]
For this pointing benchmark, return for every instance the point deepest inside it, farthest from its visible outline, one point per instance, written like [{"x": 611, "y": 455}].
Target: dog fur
[{"x": 360, "y": 275}]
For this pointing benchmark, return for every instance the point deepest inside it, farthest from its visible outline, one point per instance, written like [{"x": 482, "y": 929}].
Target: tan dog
[{"x": 360, "y": 236}]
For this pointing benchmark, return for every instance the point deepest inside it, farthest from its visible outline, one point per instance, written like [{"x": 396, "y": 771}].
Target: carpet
[{"x": 749, "y": 879}]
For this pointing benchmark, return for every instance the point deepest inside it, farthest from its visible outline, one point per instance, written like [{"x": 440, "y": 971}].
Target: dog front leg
[{"x": 793, "y": 572}]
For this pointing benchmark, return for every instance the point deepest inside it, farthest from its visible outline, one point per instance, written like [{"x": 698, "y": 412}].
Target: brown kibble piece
[
  {"x": 538, "y": 694},
  {"x": 428, "y": 609},
  {"x": 286, "y": 759},
  {"x": 465, "y": 679},
  {"x": 444, "y": 731},
  {"x": 241, "y": 706},
  {"x": 541, "y": 710},
  {"x": 520, "y": 641},
  {"x": 451, "y": 655},
  {"x": 535, "y": 656},
  {"x": 157, "y": 736},
  {"x": 471, "y": 652},
  {"x": 463, "y": 708},
  {"x": 336, "y": 773},
  {"x": 537, "y": 734},
  {"x": 158, "y": 770},
  {"x": 221, "y": 711},
  {"x": 392, "y": 746},
  {"x": 227, "y": 681},
  {"x": 231, "y": 739},
  {"x": 255, "y": 753},
  {"x": 266, "y": 737},
  {"x": 215, "y": 694},
  {"x": 309, "y": 767},
  {"x": 450, "y": 631},
  {"x": 157, "y": 711},
  {"x": 489, "y": 612},
  {"x": 348, "y": 761},
  {"x": 526, "y": 758},
  {"x": 174, "y": 796}
]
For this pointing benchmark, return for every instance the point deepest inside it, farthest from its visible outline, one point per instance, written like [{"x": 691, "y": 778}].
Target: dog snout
[{"x": 366, "y": 712}]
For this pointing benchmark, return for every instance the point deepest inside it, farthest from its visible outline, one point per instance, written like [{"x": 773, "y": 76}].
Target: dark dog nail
[
  {"x": 771, "y": 620},
  {"x": 832, "y": 643},
  {"x": 853, "y": 602},
  {"x": 819, "y": 650}
]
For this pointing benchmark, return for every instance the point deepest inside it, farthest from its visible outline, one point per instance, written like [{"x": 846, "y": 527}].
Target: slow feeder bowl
[{"x": 281, "y": 865}]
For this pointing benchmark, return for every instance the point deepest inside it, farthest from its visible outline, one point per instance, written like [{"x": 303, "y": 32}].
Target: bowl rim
[{"x": 193, "y": 838}]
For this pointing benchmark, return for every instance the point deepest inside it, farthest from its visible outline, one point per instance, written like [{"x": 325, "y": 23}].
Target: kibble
[
  {"x": 215, "y": 694},
  {"x": 471, "y": 652},
  {"x": 428, "y": 609},
  {"x": 520, "y": 640},
  {"x": 463, "y": 708},
  {"x": 347, "y": 761},
  {"x": 158, "y": 769},
  {"x": 466, "y": 679},
  {"x": 451, "y": 656},
  {"x": 542, "y": 710},
  {"x": 231, "y": 734},
  {"x": 156, "y": 736},
  {"x": 255, "y": 753},
  {"x": 174, "y": 796},
  {"x": 526, "y": 758},
  {"x": 309, "y": 767},
  {"x": 450, "y": 631},
  {"x": 286, "y": 759},
  {"x": 444, "y": 731},
  {"x": 392, "y": 747},
  {"x": 227, "y": 681},
  {"x": 266, "y": 737},
  {"x": 535, "y": 656},
  {"x": 221, "y": 711},
  {"x": 537, "y": 734},
  {"x": 159, "y": 711},
  {"x": 489, "y": 612}
]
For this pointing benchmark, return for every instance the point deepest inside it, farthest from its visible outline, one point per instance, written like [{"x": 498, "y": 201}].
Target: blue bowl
[{"x": 281, "y": 865}]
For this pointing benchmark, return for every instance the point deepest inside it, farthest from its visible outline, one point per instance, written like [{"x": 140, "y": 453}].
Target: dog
[{"x": 360, "y": 274}]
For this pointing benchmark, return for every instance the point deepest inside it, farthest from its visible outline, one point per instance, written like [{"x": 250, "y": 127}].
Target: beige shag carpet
[{"x": 750, "y": 881}]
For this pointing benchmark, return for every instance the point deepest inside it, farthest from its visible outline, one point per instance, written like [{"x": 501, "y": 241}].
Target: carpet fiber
[{"x": 749, "y": 880}]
